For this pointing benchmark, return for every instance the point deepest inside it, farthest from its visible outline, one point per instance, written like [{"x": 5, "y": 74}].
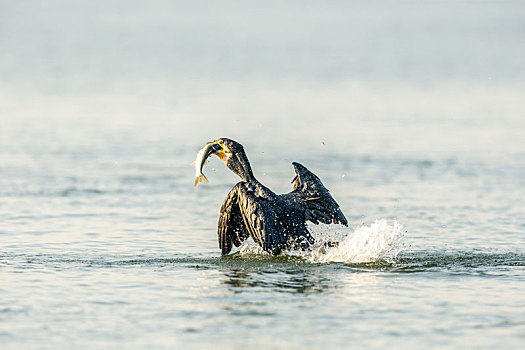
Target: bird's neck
[{"x": 243, "y": 169}]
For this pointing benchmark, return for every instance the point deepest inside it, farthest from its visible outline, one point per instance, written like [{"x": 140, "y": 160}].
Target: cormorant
[{"x": 275, "y": 222}]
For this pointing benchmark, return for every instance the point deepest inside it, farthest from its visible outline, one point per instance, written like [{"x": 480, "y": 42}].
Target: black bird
[{"x": 275, "y": 222}]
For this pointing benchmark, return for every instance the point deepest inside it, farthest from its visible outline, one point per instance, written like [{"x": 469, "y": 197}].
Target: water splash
[{"x": 379, "y": 241}]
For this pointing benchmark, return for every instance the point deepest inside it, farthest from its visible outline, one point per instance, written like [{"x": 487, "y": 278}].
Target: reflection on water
[{"x": 289, "y": 281}]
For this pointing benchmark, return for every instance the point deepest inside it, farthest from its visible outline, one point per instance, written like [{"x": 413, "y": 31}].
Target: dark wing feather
[
  {"x": 242, "y": 214},
  {"x": 310, "y": 197},
  {"x": 231, "y": 229}
]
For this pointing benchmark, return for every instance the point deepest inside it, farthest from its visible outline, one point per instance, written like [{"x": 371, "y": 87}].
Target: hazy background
[{"x": 388, "y": 76}]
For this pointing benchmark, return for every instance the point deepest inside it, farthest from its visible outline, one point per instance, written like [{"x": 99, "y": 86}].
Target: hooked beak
[{"x": 218, "y": 150}]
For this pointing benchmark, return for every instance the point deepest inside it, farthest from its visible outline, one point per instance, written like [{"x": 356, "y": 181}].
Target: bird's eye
[{"x": 221, "y": 142}]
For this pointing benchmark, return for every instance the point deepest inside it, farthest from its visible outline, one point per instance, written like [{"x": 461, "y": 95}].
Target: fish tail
[{"x": 199, "y": 179}]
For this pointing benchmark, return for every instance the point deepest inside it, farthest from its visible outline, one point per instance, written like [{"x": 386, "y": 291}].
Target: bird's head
[
  {"x": 224, "y": 148},
  {"x": 232, "y": 154}
]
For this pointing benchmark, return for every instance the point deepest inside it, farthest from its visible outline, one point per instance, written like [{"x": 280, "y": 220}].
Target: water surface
[{"x": 411, "y": 115}]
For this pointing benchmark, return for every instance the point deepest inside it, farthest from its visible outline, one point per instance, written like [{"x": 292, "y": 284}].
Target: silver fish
[{"x": 201, "y": 159}]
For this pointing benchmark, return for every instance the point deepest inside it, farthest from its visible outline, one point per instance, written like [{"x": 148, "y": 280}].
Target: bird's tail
[{"x": 199, "y": 179}]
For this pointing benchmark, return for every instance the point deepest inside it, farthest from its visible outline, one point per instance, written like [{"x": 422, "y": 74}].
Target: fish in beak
[{"x": 210, "y": 148}]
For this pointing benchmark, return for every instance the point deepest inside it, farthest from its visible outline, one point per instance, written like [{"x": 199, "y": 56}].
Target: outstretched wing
[
  {"x": 231, "y": 229},
  {"x": 245, "y": 214},
  {"x": 310, "y": 197}
]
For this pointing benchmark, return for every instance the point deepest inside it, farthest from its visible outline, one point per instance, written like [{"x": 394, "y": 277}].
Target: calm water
[{"x": 412, "y": 116}]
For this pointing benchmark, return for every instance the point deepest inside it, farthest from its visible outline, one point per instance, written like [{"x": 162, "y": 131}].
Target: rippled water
[
  {"x": 413, "y": 117},
  {"x": 107, "y": 244}
]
